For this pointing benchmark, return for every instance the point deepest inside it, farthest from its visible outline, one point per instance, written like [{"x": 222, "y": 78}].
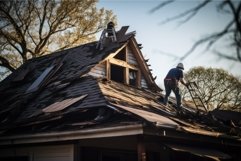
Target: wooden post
[
  {"x": 126, "y": 75},
  {"x": 141, "y": 151},
  {"x": 108, "y": 76},
  {"x": 126, "y": 55}
]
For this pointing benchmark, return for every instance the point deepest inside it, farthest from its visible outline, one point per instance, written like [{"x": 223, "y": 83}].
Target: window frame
[{"x": 124, "y": 64}]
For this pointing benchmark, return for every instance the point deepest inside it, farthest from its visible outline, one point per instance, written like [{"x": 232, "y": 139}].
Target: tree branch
[
  {"x": 31, "y": 37},
  {"x": 5, "y": 63},
  {"x": 9, "y": 38},
  {"x": 42, "y": 20},
  {"x": 189, "y": 13},
  {"x": 161, "y": 5},
  {"x": 28, "y": 19},
  {"x": 225, "y": 56},
  {"x": 27, "y": 26},
  {"x": 12, "y": 21},
  {"x": 212, "y": 39},
  {"x": 193, "y": 12},
  {"x": 236, "y": 13}
]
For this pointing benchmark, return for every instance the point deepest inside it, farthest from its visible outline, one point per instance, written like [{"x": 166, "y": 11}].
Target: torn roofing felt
[{"x": 55, "y": 93}]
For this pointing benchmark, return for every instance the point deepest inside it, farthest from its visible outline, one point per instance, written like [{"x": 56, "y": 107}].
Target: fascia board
[{"x": 73, "y": 135}]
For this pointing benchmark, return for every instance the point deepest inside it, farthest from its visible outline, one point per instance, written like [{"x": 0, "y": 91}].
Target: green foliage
[
  {"x": 32, "y": 28},
  {"x": 219, "y": 89}
]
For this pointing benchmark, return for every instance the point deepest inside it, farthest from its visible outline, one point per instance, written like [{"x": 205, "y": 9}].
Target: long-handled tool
[{"x": 195, "y": 94}]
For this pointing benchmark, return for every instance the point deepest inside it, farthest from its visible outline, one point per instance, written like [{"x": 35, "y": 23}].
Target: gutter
[{"x": 73, "y": 135}]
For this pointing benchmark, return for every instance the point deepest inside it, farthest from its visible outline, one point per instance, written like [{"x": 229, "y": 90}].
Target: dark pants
[{"x": 171, "y": 85}]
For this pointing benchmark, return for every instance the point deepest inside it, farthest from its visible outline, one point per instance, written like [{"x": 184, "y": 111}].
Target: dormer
[
  {"x": 122, "y": 67},
  {"x": 125, "y": 65}
]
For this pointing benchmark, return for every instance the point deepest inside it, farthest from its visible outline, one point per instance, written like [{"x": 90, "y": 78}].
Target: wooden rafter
[
  {"x": 122, "y": 64},
  {"x": 115, "y": 53}
]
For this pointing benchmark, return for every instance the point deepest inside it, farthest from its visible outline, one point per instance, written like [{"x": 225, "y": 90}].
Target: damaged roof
[{"x": 55, "y": 93}]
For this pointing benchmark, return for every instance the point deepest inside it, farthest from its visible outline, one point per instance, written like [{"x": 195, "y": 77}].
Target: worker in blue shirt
[{"x": 171, "y": 84}]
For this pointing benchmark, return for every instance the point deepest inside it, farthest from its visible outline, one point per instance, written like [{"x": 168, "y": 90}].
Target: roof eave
[{"x": 73, "y": 135}]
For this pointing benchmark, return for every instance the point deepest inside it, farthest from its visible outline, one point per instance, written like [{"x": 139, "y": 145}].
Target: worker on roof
[
  {"x": 171, "y": 83},
  {"x": 110, "y": 28}
]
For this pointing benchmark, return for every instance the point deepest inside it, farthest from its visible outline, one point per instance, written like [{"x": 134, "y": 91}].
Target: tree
[
  {"x": 218, "y": 88},
  {"x": 231, "y": 30},
  {"x": 32, "y": 28}
]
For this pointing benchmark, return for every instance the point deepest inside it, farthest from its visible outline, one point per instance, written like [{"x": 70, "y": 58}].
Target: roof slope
[
  {"x": 69, "y": 99},
  {"x": 65, "y": 83}
]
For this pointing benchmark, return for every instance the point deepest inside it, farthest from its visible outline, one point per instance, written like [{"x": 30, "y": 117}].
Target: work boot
[{"x": 179, "y": 110}]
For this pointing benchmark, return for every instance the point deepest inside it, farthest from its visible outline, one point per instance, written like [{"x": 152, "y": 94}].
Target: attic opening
[
  {"x": 117, "y": 73},
  {"x": 121, "y": 55}
]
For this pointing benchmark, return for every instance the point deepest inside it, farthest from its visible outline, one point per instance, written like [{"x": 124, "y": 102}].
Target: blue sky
[{"x": 157, "y": 39}]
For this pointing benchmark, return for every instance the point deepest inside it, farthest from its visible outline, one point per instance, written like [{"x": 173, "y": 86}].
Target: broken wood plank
[{"x": 58, "y": 106}]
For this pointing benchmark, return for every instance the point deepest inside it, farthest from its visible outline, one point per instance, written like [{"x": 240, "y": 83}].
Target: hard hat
[
  {"x": 180, "y": 65},
  {"x": 111, "y": 23}
]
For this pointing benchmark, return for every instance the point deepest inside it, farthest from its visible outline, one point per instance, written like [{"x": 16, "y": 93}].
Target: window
[
  {"x": 120, "y": 70},
  {"x": 132, "y": 77},
  {"x": 117, "y": 73}
]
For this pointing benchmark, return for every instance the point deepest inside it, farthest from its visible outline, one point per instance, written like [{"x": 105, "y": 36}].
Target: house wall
[
  {"x": 117, "y": 149},
  {"x": 132, "y": 60},
  {"x": 126, "y": 148},
  {"x": 99, "y": 71},
  {"x": 39, "y": 153},
  {"x": 130, "y": 57},
  {"x": 109, "y": 149},
  {"x": 143, "y": 82},
  {"x": 87, "y": 150}
]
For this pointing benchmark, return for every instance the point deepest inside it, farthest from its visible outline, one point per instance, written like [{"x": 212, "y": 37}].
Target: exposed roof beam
[
  {"x": 122, "y": 63},
  {"x": 114, "y": 53}
]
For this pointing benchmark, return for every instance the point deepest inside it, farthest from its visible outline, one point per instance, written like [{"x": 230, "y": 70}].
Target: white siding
[
  {"x": 98, "y": 71},
  {"x": 143, "y": 82},
  {"x": 42, "y": 153},
  {"x": 131, "y": 59}
]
